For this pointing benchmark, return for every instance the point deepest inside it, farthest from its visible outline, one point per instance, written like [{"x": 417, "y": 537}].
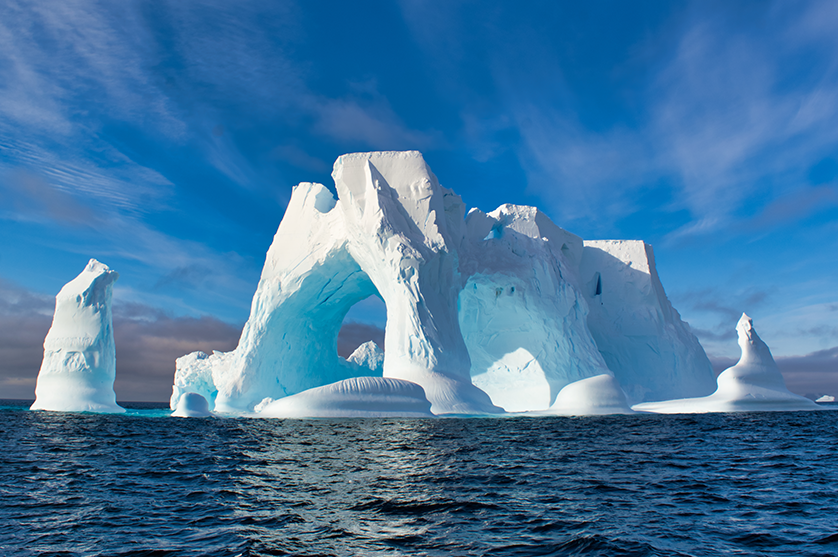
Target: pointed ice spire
[{"x": 756, "y": 366}]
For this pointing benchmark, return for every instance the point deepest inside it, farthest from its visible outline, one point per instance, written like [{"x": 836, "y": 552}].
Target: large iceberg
[
  {"x": 79, "y": 365},
  {"x": 486, "y": 313},
  {"x": 753, "y": 384}
]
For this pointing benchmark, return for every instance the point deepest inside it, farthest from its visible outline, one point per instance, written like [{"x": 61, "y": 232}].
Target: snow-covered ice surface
[
  {"x": 192, "y": 405},
  {"x": 361, "y": 397},
  {"x": 753, "y": 384},
  {"x": 594, "y": 396},
  {"x": 486, "y": 313},
  {"x": 79, "y": 365}
]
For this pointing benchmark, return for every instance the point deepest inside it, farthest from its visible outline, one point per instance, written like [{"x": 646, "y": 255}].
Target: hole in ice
[
  {"x": 565, "y": 250},
  {"x": 495, "y": 232},
  {"x": 598, "y": 287},
  {"x": 324, "y": 201},
  {"x": 363, "y": 322}
]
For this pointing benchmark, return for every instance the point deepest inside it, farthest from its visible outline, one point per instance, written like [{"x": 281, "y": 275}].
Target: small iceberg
[
  {"x": 754, "y": 384},
  {"x": 79, "y": 365}
]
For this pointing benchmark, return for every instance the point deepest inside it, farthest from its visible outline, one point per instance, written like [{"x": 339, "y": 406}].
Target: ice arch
[
  {"x": 307, "y": 286},
  {"x": 394, "y": 231},
  {"x": 522, "y": 317},
  {"x": 364, "y": 323}
]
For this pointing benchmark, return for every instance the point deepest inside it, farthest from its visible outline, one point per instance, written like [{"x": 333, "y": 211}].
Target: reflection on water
[{"x": 85, "y": 484}]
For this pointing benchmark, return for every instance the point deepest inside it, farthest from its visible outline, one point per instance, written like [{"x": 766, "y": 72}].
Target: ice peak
[
  {"x": 745, "y": 325},
  {"x": 753, "y": 347},
  {"x": 747, "y": 334},
  {"x": 95, "y": 266},
  {"x": 352, "y": 157}
]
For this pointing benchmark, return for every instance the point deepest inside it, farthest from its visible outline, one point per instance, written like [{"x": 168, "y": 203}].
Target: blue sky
[{"x": 164, "y": 139}]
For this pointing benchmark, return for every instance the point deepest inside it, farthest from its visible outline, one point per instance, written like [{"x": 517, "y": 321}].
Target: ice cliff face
[
  {"x": 79, "y": 365},
  {"x": 653, "y": 354},
  {"x": 753, "y": 384},
  {"x": 485, "y": 313}
]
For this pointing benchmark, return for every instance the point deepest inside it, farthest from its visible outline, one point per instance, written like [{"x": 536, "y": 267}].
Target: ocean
[{"x": 149, "y": 485}]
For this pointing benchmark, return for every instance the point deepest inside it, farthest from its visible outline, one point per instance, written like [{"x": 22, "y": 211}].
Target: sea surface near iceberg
[{"x": 146, "y": 484}]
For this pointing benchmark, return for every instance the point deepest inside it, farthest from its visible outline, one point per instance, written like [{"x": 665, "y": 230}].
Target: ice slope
[
  {"x": 192, "y": 405},
  {"x": 593, "y": 396},
  {"x": 653, "y": 354},
  {"x": 359, "y": 397},
  {"x": 753, "y": 384},
  {"x": 522, "y": 316},
  {"x": 79, "y": 365}
]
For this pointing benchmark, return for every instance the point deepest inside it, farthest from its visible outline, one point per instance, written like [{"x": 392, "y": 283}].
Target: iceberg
[
  {"x": 370, "y": 357},
  {"x": 486, "y": 312},
  {"x": 753, "y": 384},
  {"x": 79, "y": 365}
]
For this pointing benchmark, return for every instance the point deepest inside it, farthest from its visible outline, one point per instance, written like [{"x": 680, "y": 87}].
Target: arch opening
[{"x": 365, "y": 321}]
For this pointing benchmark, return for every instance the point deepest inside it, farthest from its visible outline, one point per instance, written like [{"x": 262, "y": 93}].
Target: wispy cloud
[
  {"x": 723, "y": 116},
  {"x": 52, "y": 179},
  {"x": 369, "y": 125}
]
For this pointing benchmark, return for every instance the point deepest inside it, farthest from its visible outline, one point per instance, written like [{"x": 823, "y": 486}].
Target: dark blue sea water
[{"x": 145, "y": 484}]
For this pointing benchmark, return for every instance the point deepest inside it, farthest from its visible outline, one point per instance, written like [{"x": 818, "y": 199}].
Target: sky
[{"x": 164, "y": 139}]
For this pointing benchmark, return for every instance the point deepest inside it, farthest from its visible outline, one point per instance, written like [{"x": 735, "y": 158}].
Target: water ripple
[{"x": 146, "y": 484}]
